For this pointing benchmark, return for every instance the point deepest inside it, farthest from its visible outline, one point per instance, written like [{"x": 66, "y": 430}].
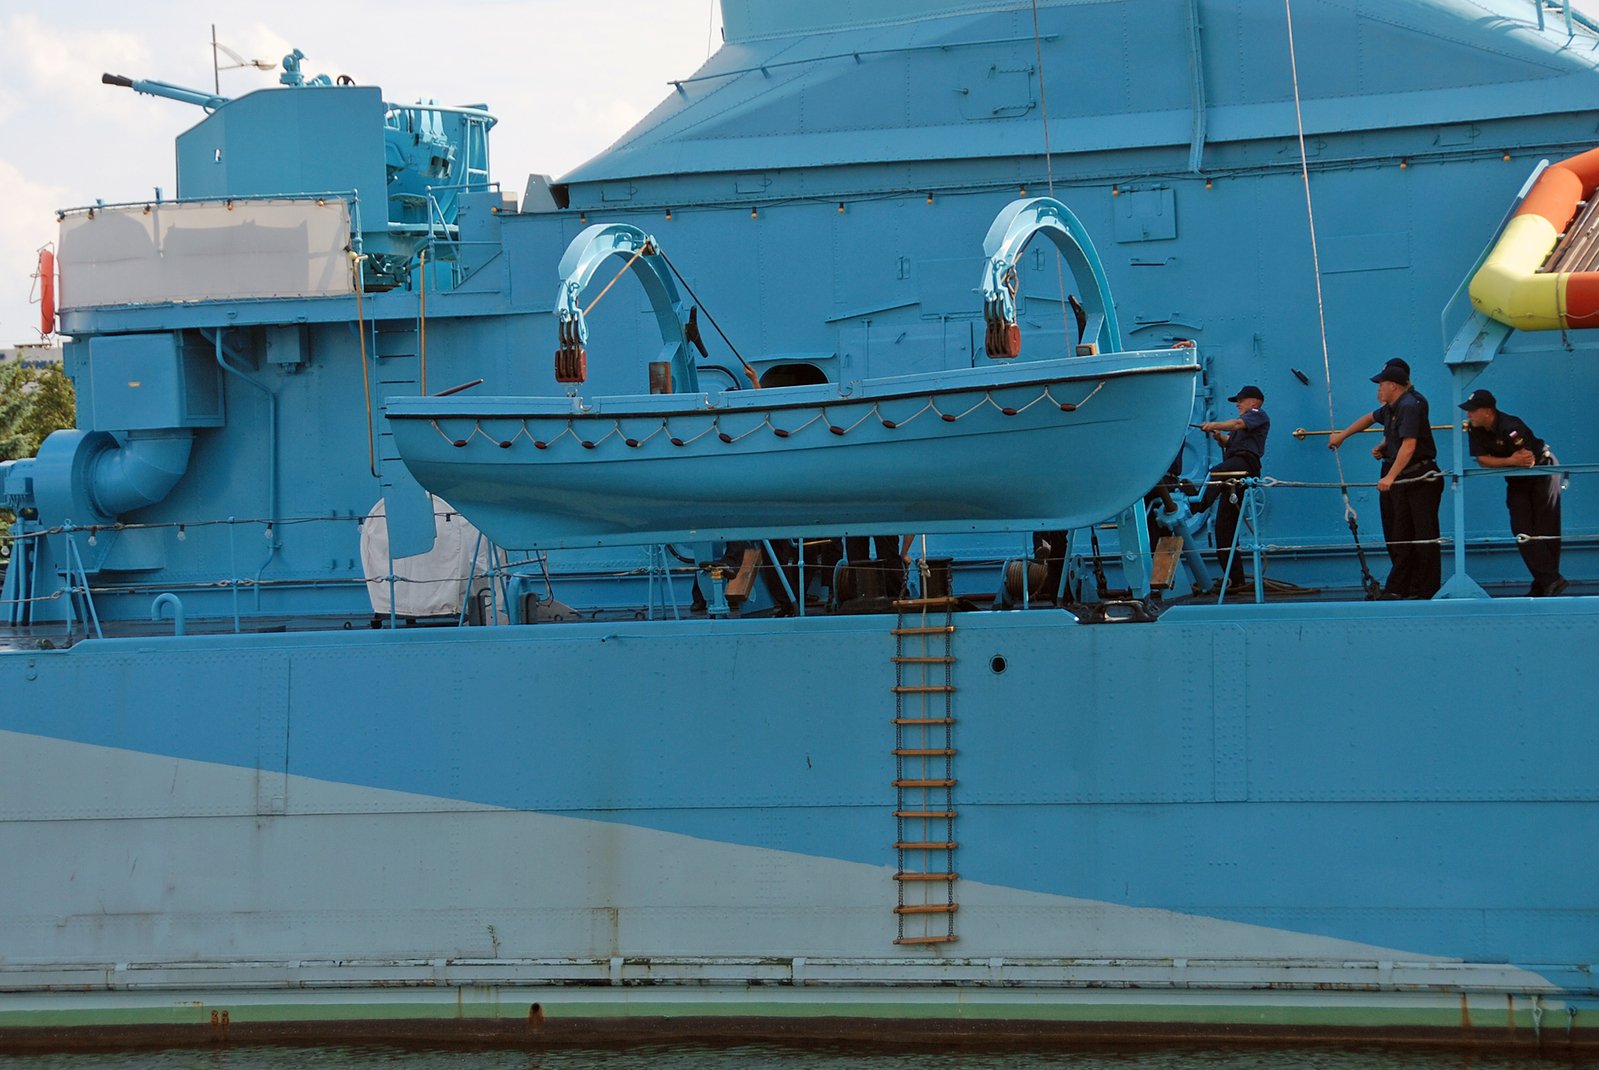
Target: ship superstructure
[{"x": 368, "y": 670}]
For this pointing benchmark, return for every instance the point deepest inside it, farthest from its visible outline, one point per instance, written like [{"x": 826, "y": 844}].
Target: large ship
[{"x": 823, "y": 642}]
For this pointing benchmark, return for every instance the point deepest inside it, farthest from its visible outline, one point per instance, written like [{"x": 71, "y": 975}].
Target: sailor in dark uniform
[
  {"x": 1414, "y": 488},
  {"x": 1410, "y": 488},
  {"x": 1382, "y": 452},
  {"x": 1243, "y": 445},
  {"x": 1500, "y": 440}
]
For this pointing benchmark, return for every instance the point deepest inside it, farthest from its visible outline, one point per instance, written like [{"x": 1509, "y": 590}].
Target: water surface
[{"x": 775, "y": 1057}]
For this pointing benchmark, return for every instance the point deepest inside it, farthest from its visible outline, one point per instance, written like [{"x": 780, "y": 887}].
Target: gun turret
[{"x": 198, "y": 97}]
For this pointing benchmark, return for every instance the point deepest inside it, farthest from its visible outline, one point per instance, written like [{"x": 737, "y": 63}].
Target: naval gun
[
  {"x": 291, "y": 76},
  {"x": 197, "y": 97},
  {"x": 412, "y": 174}
]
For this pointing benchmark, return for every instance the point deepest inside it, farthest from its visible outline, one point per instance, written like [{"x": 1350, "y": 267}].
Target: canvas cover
[
  {"x": 204, "y": 251},
  {"x": 432, "y": 584}
]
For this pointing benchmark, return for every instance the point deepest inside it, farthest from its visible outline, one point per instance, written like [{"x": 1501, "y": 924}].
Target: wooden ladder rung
[{"x": 907, "y": 607}]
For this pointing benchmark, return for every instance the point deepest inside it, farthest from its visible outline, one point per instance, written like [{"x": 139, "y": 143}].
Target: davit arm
[
  {"x": 578, "y": 266},
  {"x": 1015, "y": 226}
]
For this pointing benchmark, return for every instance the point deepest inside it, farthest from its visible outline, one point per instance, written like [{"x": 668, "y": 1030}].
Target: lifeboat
[
  {"x": 1043, "y": 444},
  {"x": 1025, "y": 444}
]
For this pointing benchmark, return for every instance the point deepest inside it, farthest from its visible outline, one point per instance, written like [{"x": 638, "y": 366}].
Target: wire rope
[
  {"x": 1049, "y": 172},
  {"x": 1350, "y": 516}
]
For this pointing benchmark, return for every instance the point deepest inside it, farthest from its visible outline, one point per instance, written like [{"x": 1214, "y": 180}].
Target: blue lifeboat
[{"x": 1038, "y": 444}]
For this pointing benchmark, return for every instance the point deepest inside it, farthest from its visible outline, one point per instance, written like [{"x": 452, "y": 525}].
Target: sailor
[
  {"x": 1243, "y": 445},
  {"x": 1500, "y": 440},
  {"x": 1382, "y": 452},
  {"x": 1411, "y": 483}
]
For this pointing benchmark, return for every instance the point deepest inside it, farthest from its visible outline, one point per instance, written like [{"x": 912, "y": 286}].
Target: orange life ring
[
  {"x": 47, "y": 292},
  {"x": 1511, "y": 286}
]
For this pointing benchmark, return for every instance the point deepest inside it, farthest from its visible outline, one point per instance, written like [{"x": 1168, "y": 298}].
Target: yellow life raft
[{"x": 1511, "y": 287}]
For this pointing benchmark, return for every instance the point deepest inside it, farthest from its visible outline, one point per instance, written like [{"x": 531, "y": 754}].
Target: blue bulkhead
[{"x": 831, "y": 226}]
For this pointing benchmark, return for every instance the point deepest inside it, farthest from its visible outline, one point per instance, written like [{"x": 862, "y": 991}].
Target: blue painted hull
[{"x": 1203, "y": 819}]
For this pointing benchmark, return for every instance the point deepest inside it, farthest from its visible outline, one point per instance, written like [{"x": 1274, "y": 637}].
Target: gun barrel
[{"x": 197, "y": 97}]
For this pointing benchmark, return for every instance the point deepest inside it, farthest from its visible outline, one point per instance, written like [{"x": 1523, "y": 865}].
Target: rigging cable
[
  {"x": 645, "y": 248},
  {"x": 366, "y": 375},
  {"x": 749, "y": 372},
  {"x": 1367, "y": 582},
  {"x": 1049, "y": 174},
  {"x": 422, "y": 320}
]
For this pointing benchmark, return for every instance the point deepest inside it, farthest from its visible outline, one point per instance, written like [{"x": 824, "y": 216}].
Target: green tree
[{"x": 33, "y": 403}]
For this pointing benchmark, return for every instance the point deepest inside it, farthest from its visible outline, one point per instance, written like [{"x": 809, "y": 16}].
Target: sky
[{"x": 565, "y": 80}]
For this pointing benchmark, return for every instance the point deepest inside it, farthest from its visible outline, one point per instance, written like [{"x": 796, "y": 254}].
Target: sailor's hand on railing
[
  {"x": 1523, "y": 458},
  {"x": 1335, "y": 440}
]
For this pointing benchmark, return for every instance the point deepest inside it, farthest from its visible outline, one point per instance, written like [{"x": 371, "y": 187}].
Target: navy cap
[
  {"x": 1479, "y": 399},
  {"x": 1393, "y": 373},
  {"x": 1248, "y": 392},
  {"x": 1399, "y": 362}
]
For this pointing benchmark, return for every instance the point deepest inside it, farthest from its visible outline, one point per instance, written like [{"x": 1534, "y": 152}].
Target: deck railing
[{"x": 1254, "y": 544}]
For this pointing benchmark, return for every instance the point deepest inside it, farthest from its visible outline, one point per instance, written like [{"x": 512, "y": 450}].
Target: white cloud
[{"x": 62, "y": 68}]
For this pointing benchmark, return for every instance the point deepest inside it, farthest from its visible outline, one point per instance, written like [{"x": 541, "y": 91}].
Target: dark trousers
[
  {"x": 1386, "y": 510},
  {"x": 863, "y": 549},
  {"x": 1417, "y": 557},
  {"x": 1231, "y": 495},
  {"x": 1534, "y": 504}
]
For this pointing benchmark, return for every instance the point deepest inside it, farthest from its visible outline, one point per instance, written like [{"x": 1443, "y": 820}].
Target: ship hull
[{"x": 605, "y": 830}]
